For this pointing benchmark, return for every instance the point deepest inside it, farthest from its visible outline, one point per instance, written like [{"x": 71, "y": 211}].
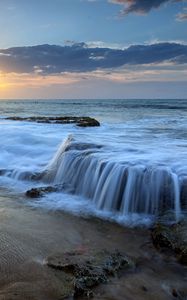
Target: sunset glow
[{"x": 105, "y": 51}]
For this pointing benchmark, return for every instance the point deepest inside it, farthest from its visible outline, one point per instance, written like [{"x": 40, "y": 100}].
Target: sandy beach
[{"x": 28, "y": 236}]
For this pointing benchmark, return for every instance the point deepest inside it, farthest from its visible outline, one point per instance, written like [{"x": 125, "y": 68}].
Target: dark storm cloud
[
  {"x": 51, "y": 59},
  {"x": 141, "y": 6}
]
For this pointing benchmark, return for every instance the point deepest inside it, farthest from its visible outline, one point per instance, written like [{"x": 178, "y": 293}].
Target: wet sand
[{"x": 28, "y": 236}]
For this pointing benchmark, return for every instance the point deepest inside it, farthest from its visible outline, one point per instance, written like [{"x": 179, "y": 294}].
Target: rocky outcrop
[
  {"x": 79, "y": 121},
  {"x": 88, "y": 270},
  {"x": 173, "y": 238}
]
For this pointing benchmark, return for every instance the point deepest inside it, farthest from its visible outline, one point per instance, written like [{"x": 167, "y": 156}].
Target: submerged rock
[
  {"x": 89, "y": 269},
  {"x": 79, "y": 121},
  {"x": 172, "y": 237},
  {"x": 41, "y": 191}
]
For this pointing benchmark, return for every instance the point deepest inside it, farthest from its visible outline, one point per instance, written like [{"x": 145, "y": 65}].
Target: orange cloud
[
  {"x": 31, "y": 85},
  {"x": 33, "y": 80}
]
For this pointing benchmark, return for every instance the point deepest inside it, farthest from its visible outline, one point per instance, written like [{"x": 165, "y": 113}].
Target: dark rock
[
  {"x": 87, "y": 121},
  {"x": 182, "y": 256},
  {"x": 174, "y": 293},
  {"x": 144, "y": 288},
  {"x": 89, "y": 269},
  {"x": 3, "y": 172},
  {"x": 172, "y": 237},
  {"x": 82, "y": 146},
  {"x": 163, "y": 237},
  {"x": 180, "y": 295},
  {"x": 183, "y": 194},
  {"x": 41, "y": 191},
  {"x": 79, "y": 121},
  {"x": 66, "y": 261}
]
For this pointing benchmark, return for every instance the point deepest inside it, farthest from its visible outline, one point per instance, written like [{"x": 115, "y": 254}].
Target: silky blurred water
[{"x": 149, "y": 133}]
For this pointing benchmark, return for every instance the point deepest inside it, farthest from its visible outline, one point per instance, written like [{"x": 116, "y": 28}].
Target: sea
[{"x": 132, "y": 169}]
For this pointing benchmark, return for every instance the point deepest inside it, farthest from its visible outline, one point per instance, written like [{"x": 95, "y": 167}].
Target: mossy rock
[
  {"x": 89, "y": 269},
  {"x": 172, "y": 237}
]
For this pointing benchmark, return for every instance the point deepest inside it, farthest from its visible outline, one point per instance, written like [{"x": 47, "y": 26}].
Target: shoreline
[{"x": 29, "y": 236}]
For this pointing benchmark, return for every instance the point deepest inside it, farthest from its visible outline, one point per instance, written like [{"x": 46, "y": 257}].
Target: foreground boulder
[
  {"x": 173, "y": 238},
  {"x": 79, "y": 121},
  {"x": 88, "y": 270}
]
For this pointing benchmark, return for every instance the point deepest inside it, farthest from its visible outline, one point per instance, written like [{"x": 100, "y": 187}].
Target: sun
[
  {"x": 3, "y": 81},
  {"x": 3, "y": 86}
]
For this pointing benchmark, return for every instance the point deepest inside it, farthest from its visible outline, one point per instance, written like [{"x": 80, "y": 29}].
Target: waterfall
[
  {"x": 112, "y": 186},
  {"x": 177, "y": 197}
]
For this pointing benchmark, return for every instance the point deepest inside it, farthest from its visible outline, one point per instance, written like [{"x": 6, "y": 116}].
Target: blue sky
[{"x": 83, "y": 28}]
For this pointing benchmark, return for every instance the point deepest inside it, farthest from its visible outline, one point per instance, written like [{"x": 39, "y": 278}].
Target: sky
[{"x": 66, "y": 49}]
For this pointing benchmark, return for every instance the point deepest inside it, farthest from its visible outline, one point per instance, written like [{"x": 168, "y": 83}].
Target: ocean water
[{"x": 131, "y": 169}]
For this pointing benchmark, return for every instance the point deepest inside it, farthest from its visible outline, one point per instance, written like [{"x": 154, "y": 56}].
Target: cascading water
[
  {"x": 139, "y": 172},
  {"x": 115, "y": 187}
]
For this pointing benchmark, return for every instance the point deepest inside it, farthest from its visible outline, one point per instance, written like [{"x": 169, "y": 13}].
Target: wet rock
[
  {"x": 172, "y": 237},
  {"x": 82, "y": 146},
  {"x": 89, "y": 269},
  {"x": 182, "y": 256},
  {"x": 183, "y": 194},
  {"x": 174, "y": 293},
  {"x": 41, "y": 191},
  {"x": 3, "y": 172},
  {"x": 79, "y": 121},
  {"x": 143, "y": 287},
  {"x": 180, "y": 295},
  {"x": 87, "y": 121},
  {"x": 163, "y": 237},
  {"x": 66, "y": 261}
]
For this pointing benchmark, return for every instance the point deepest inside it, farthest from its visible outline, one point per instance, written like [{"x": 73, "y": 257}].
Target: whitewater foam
[{"x": 135, "y": 163}]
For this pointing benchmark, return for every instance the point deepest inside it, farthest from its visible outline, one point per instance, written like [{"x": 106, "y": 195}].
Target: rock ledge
[{"x": 79, "y": 121}]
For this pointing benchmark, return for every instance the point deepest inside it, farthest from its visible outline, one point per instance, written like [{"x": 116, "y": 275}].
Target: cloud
[
  {"x": 77, "y": 58},
  {"x": 141, "y": 6},
  {"x": 182, "y": 16}
]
